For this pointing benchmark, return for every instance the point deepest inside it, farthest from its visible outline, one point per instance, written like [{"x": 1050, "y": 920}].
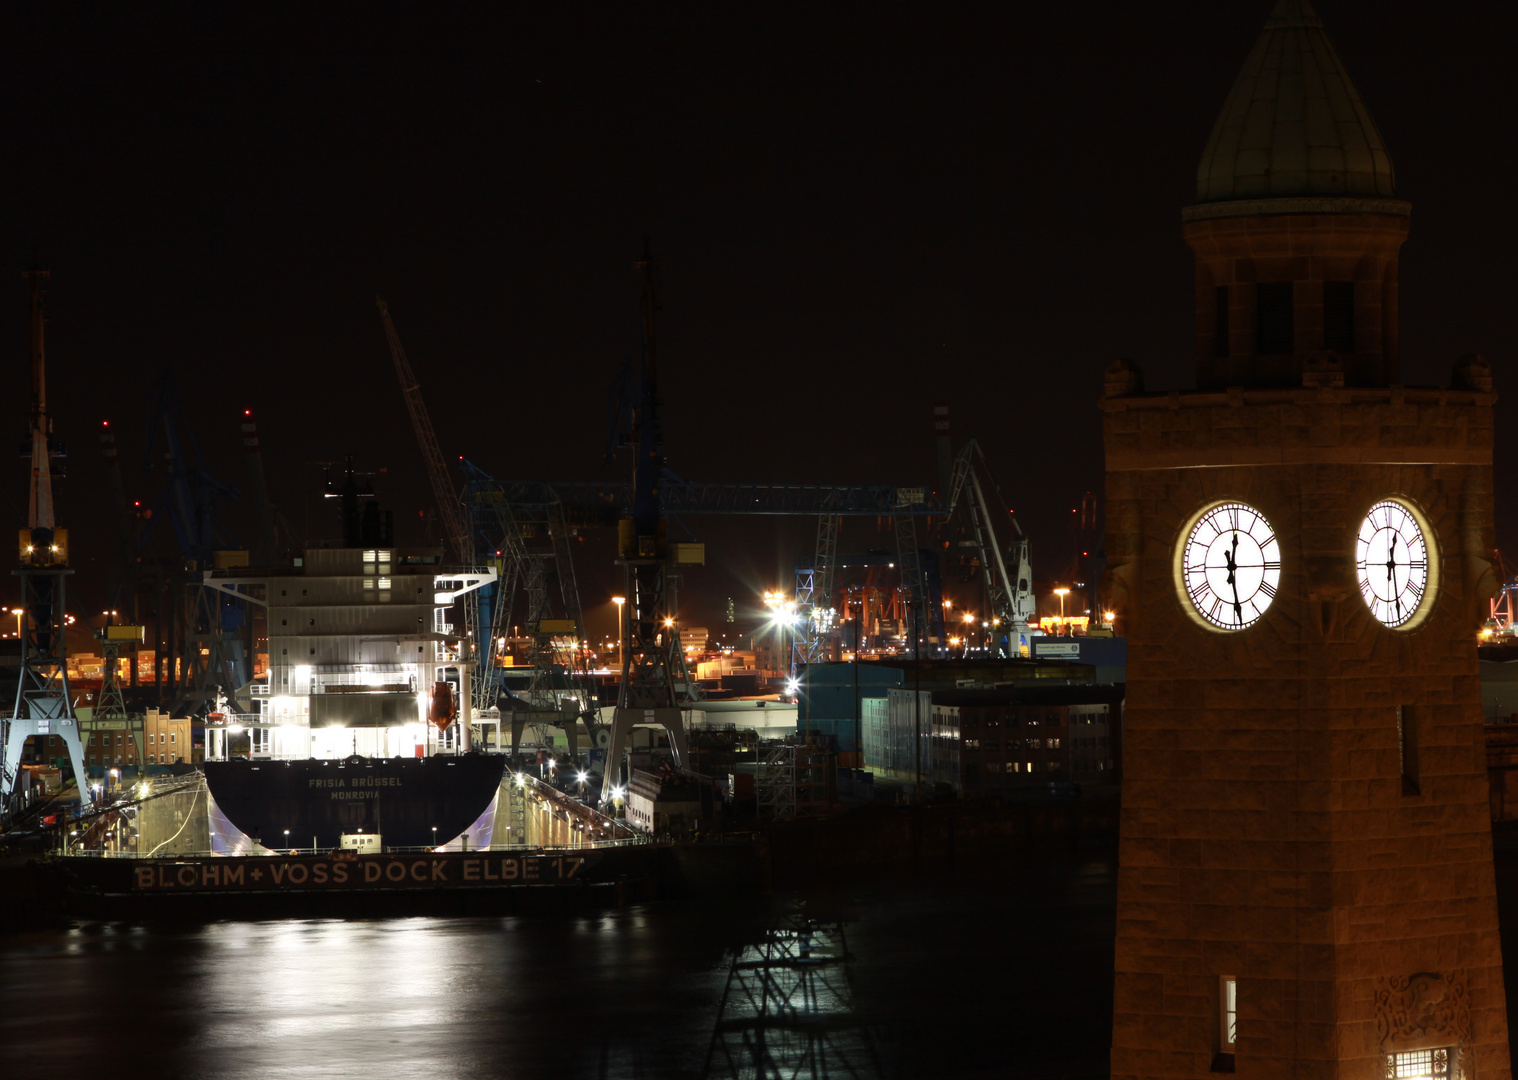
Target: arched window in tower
[
  {"x": 1221, "y": 329},
  {"x": 1275, "y": 327},
  {"x": 1339, "y": 316}
]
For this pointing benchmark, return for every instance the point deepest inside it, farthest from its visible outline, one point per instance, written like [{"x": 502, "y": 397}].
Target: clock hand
[{"x": 1238, "y": 609}]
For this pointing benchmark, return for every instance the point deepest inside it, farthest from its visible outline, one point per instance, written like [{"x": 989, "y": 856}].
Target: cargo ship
[{"x": 362, "y": 721}]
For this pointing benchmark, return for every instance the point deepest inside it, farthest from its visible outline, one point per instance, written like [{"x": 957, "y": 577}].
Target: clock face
[
  {"x": 1230, "y": 566},
  {"x": 1392, "y": 561}
]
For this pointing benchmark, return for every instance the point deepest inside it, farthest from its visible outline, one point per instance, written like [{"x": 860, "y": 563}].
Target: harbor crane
[
  {"x": 652, "y": 661},
  {"x": 44, "y": 706},
  {"x": 455, "y": 537},
  {"x": 1010, "y": 594}
]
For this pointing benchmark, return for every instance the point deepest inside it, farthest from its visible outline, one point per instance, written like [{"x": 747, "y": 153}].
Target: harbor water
[{"x": 1004, "y": 973}]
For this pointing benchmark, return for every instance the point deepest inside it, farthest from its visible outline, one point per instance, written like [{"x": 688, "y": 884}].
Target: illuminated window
[
  {"x": 370, "y": 556},
  {"x": 384, "y": 583},
  {"x": 1053, "y": 744},
  {"x": 1228, "y": 1013},
  {"x": 1418, "y": 1065}
]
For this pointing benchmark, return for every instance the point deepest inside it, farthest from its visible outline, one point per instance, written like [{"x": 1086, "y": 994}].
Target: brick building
[{"x": 1299, "y": 554}]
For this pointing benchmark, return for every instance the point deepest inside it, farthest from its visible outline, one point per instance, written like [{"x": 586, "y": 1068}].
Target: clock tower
[{"x": 1300, "y": 556}]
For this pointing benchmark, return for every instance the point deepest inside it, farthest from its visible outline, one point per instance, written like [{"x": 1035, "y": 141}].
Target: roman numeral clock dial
[
  {"x": 1394, "y": 563},
  {"x": 1229, "y": 566}
]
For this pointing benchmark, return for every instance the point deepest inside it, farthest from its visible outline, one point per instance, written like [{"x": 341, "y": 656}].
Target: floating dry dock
[{"x": 347, "y": 882}]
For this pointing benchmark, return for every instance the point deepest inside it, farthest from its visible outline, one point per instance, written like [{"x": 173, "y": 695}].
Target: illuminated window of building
[
  {"x": 1053, "y": 744},
  {"x": 1418, "y": 1065},
  {"x": 384, "y": 583},
  {"x": 1228, "y": 1022}
]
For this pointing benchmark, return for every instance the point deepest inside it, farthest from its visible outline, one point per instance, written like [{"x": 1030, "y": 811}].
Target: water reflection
[
  {"x": 788, "y": 1008},
  {"x": 928, "y": 974}
]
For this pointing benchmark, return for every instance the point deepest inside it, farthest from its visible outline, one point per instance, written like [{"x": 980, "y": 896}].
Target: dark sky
[{"x": 857, "y": 212}]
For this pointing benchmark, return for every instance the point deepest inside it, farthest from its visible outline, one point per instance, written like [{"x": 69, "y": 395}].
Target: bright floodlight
[{"x": 582, "y": 777}]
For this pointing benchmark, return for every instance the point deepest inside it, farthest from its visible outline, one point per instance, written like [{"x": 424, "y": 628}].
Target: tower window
[
  {"x": 1228, "y": 1022},
  {"x": 1418, "y": 1065},
  {"x": 1220, "y": 338},
  {"x": 1407, "y": 747},
  {"x": 1275, "y": 329},
  {"x": 1339, "y": 316}
]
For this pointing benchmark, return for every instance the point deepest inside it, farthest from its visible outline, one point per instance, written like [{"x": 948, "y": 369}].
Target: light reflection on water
[{"x": 632, "y": 993}]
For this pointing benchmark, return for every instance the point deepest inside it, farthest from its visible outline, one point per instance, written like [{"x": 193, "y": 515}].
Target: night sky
[{"x": 857, "y": 213}]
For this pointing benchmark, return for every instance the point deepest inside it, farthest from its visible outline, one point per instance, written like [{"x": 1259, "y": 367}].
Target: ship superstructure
[{"x": 362, "y": 657}]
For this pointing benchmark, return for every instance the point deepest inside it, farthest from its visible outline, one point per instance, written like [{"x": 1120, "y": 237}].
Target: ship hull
[{"x": 403, "y": 800}]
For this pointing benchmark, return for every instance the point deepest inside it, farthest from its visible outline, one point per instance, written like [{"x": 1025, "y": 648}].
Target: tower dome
[{"x": 1294, "y": 125}]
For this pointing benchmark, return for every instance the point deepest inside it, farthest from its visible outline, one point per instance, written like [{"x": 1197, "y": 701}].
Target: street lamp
[
  {"x": 1062, "y": 593},
  {"x": 619, "y": 601},
  {"x": 434, "y": 838},
  {"x": 18, "y": 613}
]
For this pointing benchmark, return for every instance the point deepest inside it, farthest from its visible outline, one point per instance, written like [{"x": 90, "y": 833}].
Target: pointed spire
[{"x": 1294, "y": 124}]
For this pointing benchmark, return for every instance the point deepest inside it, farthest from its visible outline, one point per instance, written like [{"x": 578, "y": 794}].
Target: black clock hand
[{"x": 1238, "y": 609}]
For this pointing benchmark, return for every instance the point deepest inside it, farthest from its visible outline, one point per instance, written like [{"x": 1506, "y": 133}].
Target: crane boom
[{"x": 442, "y": 488}]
